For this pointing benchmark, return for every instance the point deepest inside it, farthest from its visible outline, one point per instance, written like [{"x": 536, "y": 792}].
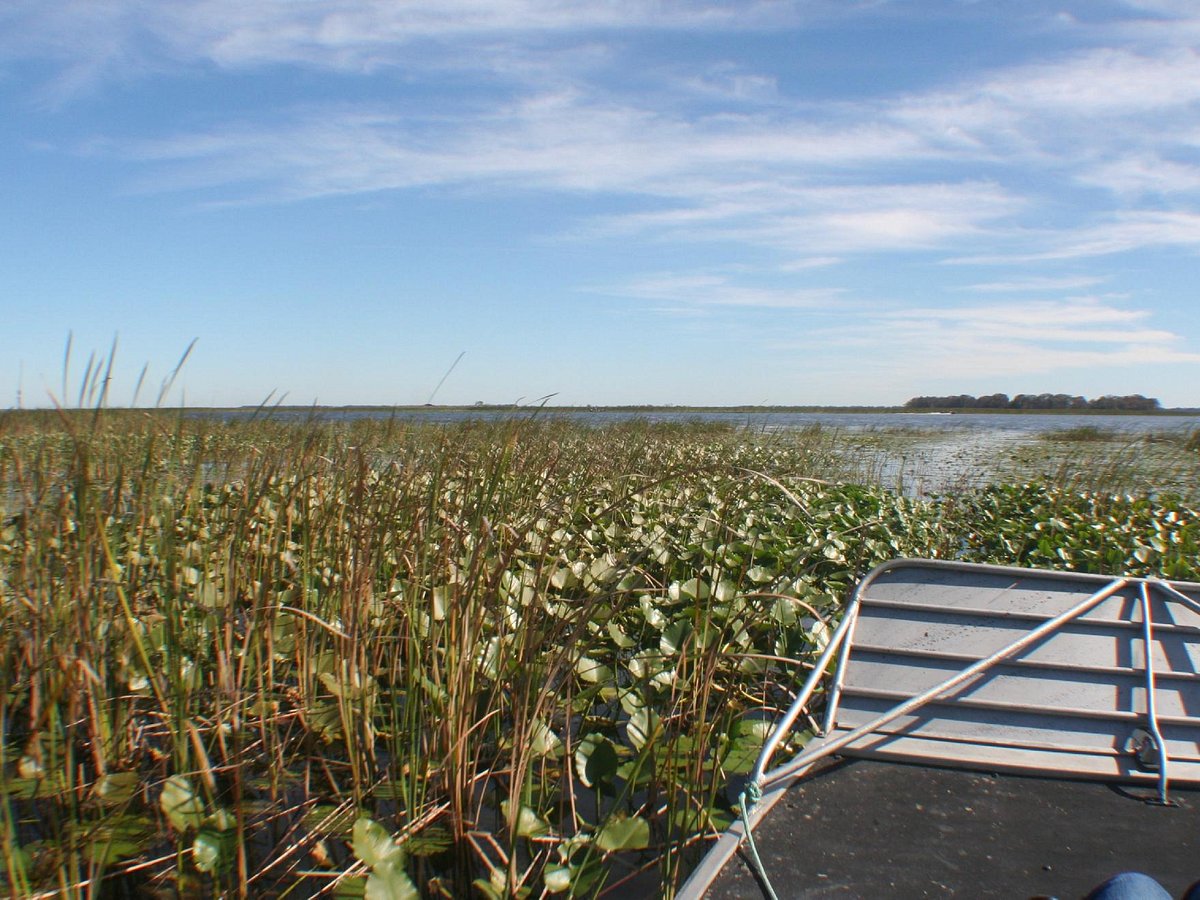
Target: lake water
[{"x": 1018, "y": 423}]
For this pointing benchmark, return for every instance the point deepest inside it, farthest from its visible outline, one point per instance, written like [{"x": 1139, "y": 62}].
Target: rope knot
[{"x": 751, "y": 794}]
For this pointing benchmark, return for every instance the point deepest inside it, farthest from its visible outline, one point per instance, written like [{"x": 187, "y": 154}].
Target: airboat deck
[{"x": 988, "y": 731}]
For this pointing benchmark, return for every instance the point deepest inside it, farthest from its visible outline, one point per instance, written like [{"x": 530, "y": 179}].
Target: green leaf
[
  {"x": 430, "y": 842},
  {"x": 644, "y": 727},
  {"x": 118, "y": 838},
  {"x": 557, "y": 879},
  {"x": 116, "y": 788},
  {"x": 180, "y": 804},
  {"x": 759, "y": 574},
  {"x": 529, "y": 823},
  {"x": 592, "y": 671},
  {"x": 389, "y": 881},
  {"x": 725, "y": 591},
  {"x": 619, "y": 637},
  {"x": 631, "y": 701},
  {"x": 324, "y": 818},
  {"x": 652, "y": 614},
  {"x": 620, "y": 833},
  {"x": 578, "y": 865},
  {"x": 542, "y": 739},
  {"x": 372, "y": 843},
  {"x": 603, "y": 570},
  {"x": 485, "y": 887},
  {"x": 745, "y": 742},
  {"x": 352, "y": 888},
  {"x": 674, "y": 636},
  {"x": 692, "y": 589},
  {"x": 596, "y": 760},
  {"x": 210, "y": 848}
]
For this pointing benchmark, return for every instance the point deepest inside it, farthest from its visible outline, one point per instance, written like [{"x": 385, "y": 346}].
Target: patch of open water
[{"x": 766, "y": 420}]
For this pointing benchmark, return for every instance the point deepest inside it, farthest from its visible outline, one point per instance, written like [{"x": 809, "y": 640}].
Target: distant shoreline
[
  {"x": 491, "y": 409},
  {"x": 508, "y": 407}
]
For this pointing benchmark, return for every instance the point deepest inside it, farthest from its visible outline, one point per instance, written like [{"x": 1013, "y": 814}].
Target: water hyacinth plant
[{"x": 253, "y": 658}]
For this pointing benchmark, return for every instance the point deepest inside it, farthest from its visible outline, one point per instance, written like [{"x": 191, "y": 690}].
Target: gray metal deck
[
  {"x": 868, "y": 828},
  {"x": 997, "y": 669}
]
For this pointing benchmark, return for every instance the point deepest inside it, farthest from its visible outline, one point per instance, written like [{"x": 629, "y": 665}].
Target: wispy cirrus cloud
[
  {"x": 1082, "y": 321},
  {"x": 100, "y": 40},
  {"x": 1037, "y": 285},
  {"x": 1157, "y": 22},
  {"x": 1092, "y": 117},
  {"x": 1083, "y": 154},
  {"x": 567, "y": 139},
  {"x": 851, "y": 177},
  {"x": 1005, "y": 341},
  {"x": 796, "y": 217},
  {"x": 1144, "y": 174},
  {"x": 692, "y": 290},
  {"x": 1120, "y": 233},
  {"x": 746, "y": 180}
]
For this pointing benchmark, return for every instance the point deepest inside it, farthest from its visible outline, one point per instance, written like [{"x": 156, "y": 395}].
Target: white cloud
[
  {"x": 862, "y": 219},
  {"x": 852, "y": 178},
  {"x": 1000, "y": 340},
  {"x": 810, "y": 262},
  {"x": 1037, "y": 285},
  {"x": 727, "y": 81},
  {"x": 1160, "y": 22},
  {"x": 1125, "y": 232},
  {"x": 1146, "y": 173},
  {"x": 1041, "y": 322},
  {"x": 966, "y": 168},
  {"x": 1014, "y": 338},
  {"x": 690, "y": 291},
  {"x": 97, "y": 40},
  {"x": 1015, "y": 104},
  {"x": 742, "y": 177},
  {"x": 995, "y": 359}
]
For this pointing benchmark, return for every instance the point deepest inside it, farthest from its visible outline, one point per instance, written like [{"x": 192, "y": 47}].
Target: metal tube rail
[
  {"x": 798, "y": 705},
  {"x": 829, "y": 747},
  {"x": 1174, "y": 592},
  {"x": 1151, "y": 712}
]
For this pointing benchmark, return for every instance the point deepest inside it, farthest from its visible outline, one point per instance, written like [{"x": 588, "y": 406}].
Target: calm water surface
[{"x": 1018, "y": 423}]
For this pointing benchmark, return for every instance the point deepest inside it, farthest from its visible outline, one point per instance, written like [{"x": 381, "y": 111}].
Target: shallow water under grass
[
  {"x": 924, "y": 464},
  {"x": 272, "y": 659}
]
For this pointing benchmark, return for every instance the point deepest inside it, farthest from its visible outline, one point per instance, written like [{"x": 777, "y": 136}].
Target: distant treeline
[{"x": 1134, "y": 402}]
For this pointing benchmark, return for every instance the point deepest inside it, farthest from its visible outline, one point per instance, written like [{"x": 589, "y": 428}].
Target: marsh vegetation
[{"x": 514, "y": 658}]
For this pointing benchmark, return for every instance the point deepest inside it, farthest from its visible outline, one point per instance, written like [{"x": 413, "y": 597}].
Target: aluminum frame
[{"x": 771, "y": 784}]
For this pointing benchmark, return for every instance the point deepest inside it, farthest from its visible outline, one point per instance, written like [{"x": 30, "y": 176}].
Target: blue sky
[{"x": 620, "y": 201}]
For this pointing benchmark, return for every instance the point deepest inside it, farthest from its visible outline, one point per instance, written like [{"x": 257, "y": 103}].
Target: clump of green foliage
[
  {"x": 1079, "y": 434},
  {"x": 254, "y": 658}
]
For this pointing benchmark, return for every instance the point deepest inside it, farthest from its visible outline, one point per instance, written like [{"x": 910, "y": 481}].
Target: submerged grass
[
  {"x": 1113, "y": 462},
  {"x": 270, "y": 659}
]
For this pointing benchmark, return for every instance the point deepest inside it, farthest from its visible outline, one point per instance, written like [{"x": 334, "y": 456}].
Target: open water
[{"x": 1020, "y": 423}]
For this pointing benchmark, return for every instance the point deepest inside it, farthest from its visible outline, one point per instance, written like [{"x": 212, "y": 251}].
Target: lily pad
[
  {"x": 372, "y": 843},
  {"x": 620, "y": 833},
  {"x": 596, "y": 760},
  {"x": 389, "y": 881},
  {"x": 180, "y": 804}
]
